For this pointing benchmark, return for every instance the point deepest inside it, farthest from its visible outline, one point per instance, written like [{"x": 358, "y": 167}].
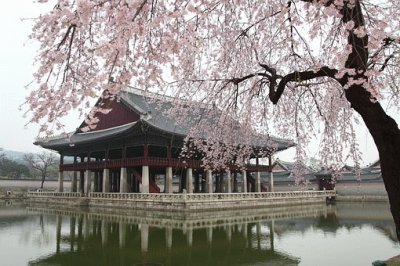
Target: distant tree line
[{"x": 34, "y": 166}]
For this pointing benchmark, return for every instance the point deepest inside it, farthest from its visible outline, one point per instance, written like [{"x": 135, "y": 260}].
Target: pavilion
[{"x": 136, "y": 141}]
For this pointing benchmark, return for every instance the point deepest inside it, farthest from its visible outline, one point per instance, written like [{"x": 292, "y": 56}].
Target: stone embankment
[{"x": 357, "y": 191}]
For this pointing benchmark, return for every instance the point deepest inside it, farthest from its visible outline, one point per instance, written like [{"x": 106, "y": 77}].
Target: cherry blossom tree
[{"x": 299, "y": 67}]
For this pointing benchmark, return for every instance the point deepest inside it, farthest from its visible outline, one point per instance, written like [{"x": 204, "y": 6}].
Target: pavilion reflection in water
[{"x": 214, "y": 238}]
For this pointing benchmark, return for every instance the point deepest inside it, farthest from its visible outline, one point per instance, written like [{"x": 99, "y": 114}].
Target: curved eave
[{"x": 88, "y": 137}]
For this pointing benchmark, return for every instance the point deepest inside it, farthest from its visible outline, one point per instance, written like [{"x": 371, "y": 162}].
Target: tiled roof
[{"x": 151, "y": 112}]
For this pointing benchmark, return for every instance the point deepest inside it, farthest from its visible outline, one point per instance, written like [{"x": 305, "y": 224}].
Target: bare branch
[{"x": 298, "y": 77}]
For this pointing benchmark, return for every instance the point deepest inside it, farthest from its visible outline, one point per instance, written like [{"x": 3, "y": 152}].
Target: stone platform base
[{"x": 181, "y": 202}]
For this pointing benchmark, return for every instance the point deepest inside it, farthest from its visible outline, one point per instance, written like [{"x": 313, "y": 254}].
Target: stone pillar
[
  {"x": 168, "y": 237},
  {"x": 235, "y": 183},
  {"x": 74, "y": 183},
  {"x": 106, "y": 180},
  {"x": 145, "y": 179},
  {"x": 189, "y": 180},
  {"x": 123, "y": 184},
  {"x": 228, "y": 182},
  {"x": 258, "y": 182},
  {"x": 271, "y": 181},
  {"x": 209, "y": 182},
  {"x": 144, "y": 237},
  {"x": 244, "y": 179},
  {"x": 60, "y": 181},
  {"x": 168, "y": 180},
  {"x": 88, "y": 181}
]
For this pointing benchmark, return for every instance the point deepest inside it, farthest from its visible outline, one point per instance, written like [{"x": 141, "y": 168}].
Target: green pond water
[{"x": 341, "y": 234}]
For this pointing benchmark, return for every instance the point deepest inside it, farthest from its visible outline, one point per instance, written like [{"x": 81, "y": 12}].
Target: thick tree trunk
[
  {"x": 386, "y": 135},
  {"x": 43, "y": 178}
]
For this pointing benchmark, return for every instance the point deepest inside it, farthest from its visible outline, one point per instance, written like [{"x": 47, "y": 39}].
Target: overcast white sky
[{"x": 16, "y": 66}]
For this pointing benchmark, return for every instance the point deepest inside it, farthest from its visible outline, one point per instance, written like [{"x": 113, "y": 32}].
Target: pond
[{"x": 341, "y": 234}]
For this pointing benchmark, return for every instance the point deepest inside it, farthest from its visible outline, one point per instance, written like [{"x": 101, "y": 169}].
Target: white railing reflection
[{"x": 197, "y": 197}]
